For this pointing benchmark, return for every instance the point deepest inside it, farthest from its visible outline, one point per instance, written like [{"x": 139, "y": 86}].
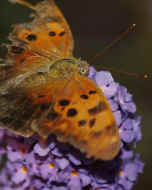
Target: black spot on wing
[
  {"x": 52, "y": 33},
  {"x": 97, "y": 134},
  {"x": 92, "y": 122},
  {"x": 98, "y": 108},
  {"x": 92, "y": 92},
  {"x": 72, "y": 112},
  {"x": 31, "y": 37},
  {"x": 84, "y": 96},
  {"x": 62, "y": 33},
  {"x": 82, "y": 123},
  {"x": 64, "y": 102}
]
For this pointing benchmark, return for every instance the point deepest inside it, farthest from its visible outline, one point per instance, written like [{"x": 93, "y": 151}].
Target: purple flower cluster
[{"x": 29, "y": 164}]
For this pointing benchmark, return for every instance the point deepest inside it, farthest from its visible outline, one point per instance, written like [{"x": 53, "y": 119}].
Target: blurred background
[{"x": 95, "y": 24}]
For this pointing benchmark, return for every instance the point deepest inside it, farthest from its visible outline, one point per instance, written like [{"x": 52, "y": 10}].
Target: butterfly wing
[
  {"x": 48, "y": 34},
  {"x": 81, "y": 115},
  {"x": 20, "y": 93},
  {"x": 73, "y": 108}
]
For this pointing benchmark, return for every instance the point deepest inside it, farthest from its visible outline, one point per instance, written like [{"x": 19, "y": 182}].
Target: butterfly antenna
[
  {"x": 107, "y": 47},
  {"x": 120, "y": 71},
  {"x": 121, "y": 36}
]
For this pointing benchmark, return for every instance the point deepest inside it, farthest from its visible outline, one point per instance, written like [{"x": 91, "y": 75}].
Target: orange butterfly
[{"x": 45, "y": 90}]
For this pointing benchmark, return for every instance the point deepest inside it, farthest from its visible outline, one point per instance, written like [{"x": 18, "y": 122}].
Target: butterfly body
[{"x": 46, "y": 90}]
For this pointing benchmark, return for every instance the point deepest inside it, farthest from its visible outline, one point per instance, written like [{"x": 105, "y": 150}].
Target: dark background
[{"x": 95, "y": 24}]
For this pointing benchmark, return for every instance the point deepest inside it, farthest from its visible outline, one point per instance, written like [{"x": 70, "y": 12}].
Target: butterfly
[{"x": 44, "y": 89}]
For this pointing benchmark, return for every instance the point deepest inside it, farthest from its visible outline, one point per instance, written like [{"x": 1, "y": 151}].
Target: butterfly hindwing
[
  {"x": 16, "y": 112},
  {"x": 82, "y": 116}
]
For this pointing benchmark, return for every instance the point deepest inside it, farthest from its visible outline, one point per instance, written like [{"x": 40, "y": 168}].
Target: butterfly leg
[{"x": 24, "y": 3}]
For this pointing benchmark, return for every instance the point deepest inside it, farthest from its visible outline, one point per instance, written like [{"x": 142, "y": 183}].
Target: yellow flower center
[
  {"x": 51, "y": 165},
  {"x": 120, "y": 174},
  {"x": 74, "y": 173},
  {"x": 24, "y": 170}
]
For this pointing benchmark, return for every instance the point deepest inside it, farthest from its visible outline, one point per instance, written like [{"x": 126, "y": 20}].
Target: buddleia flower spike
[{"x": 28, "y": 163}]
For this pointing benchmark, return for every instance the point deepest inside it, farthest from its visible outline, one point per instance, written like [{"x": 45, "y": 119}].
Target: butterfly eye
[
  {"x": 83, "y": 67},
  {"x": 82, "y": 70},
  {"x": 52, "y": 33}
]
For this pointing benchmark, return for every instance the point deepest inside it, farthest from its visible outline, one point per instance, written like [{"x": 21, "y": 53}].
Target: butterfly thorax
[
  {"x": 52, "y": 71},
  {"x": 56, "y": 71},
  {"x": 63, "y": 68}
]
